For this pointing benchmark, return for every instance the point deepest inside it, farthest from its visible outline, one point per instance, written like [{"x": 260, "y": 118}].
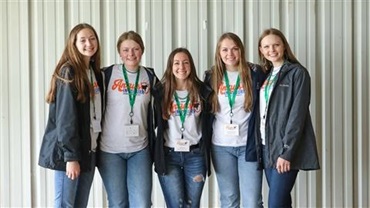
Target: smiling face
[
  {"x": 130, "y": 53},
  {"x": 86, "y": 43},
  {"x": 272, "y": 48},
  {"x": 230, "y": 54},
  {"x": 181, "y": 67}
]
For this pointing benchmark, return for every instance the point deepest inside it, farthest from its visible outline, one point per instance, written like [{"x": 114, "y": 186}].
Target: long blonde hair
[
  {"x": 219, "y": 69},
  {"x": 72, "y": 58}
]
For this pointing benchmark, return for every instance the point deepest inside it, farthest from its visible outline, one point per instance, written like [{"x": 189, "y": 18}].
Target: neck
[
  {"x": 231, "y": 68},
  {"x": 277, "y": 64},
  {"x": 181, "y": 85},
  {"x": 132, "y": 68}
]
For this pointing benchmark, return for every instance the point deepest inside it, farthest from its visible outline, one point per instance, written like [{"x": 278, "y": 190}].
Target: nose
[
  {"x": 132, "y": 51},
  {"x": 88, "y": 42},
  {"x": 229, "y": 52}
]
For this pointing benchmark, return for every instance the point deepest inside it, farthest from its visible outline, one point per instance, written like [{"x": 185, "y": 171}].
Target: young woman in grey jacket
[{"x": 285, "y": 126}]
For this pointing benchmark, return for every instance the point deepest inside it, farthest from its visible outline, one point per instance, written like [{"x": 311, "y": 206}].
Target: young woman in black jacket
[{"x": 182, "y": 112}]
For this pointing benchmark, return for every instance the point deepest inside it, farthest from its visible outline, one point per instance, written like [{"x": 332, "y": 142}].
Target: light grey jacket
[{"x": 289, "y": 130}]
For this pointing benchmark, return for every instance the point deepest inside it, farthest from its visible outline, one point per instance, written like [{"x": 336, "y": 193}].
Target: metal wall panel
[{"x": 330, "y": 38}]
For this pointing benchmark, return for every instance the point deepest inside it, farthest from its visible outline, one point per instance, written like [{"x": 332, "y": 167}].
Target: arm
[
  {"x": 67, "y": 124},
  {"x": 298, "y": 112}
]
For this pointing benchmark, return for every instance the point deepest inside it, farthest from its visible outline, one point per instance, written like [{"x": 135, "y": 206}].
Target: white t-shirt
[
  {"x": 116, "y": 118},
  {"x": 222, "y": 117},
  {"x": 95, "y": 110},
  {"x": 264, "y": 97},
  {"x": 192, "y": 123}
]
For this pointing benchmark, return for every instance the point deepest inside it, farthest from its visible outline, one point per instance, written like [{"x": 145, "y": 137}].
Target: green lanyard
[
  {"x": 182, "y": 112},
  {"x": 131, "y": 95},
  {"x": 268, "y": 87},
  {"x": 92, "y": 84},
  {"x": 233, "y": 96}
]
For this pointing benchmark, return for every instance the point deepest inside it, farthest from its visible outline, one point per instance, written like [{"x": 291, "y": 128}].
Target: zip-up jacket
[
  {"x": 289, "y": 131},
  {"x": 162, "y": 125},
  {"x": 67, "y": 134},
  {"x": 253, "y": 150}
]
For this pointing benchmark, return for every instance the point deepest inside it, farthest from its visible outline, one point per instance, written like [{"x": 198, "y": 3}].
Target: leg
[
  {"x": 195, "y": 175},
  {"x": 139, "y": 178},
  {"x": 226, "y": 167},
  {"x": 84, "y": 185},
  {"x": 65, "y": 190},
  {"x": 250, "y": 183},
  {"x": 172, "y": 183},
  {"x": 280, "y": 187},
  {"x": 112, "y": 168}
]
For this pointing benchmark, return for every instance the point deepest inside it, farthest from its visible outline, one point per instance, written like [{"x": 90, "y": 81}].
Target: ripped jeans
[{"x": 183, "y": 183}]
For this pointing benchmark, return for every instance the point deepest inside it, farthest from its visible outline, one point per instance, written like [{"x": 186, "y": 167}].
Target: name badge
[
  {"x": 231, "y": 130},
  {"x": 96, "y": 126},
  {"x": 132, "y": 130},
  {"x": 182, "y": 145}
]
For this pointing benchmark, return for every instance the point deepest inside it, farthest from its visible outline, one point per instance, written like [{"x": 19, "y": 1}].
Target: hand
[
  {"x": 282, "y": 165},
  {"x": 73, "y": 169}
]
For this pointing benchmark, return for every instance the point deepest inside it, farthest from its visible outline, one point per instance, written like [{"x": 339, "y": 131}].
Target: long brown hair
[
  {"x": 169, "y": 82},
  {"x": 288, "y": 54},
  {"x": 219, "y": 69},
  {"x": 71, "y": 57}
]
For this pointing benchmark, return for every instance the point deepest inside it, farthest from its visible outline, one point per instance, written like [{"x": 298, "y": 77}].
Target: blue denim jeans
[
  {"x": 127, "y": 178},
  {"x": 73, "y": 193},
  {"x": 236, "y": 177},
  {"x": 280, "y": 185},
  {"x": 183, "y": 183}
]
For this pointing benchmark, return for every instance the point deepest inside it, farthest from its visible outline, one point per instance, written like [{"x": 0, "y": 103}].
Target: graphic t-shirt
[
  {"x": 117, "y": 112},
  {"x": 222, "y": 117},
  {"x": 192, "y": 122}
]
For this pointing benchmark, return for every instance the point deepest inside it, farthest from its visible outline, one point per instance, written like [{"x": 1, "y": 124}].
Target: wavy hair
[
  {"x": 71, "y": 57},
  {"x": 169, "y": 82},
  {"x": 219, "y": 69}
]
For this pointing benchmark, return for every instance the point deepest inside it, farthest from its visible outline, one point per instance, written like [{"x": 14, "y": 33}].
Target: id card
[
  {"x": 231, "y": 130},
  {"x": 182, "y": 145},
  {"x": 96, "y": 125},
  {"x": 132, "y": 130}
]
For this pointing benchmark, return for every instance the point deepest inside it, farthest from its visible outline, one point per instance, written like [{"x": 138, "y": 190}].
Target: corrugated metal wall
[{"x": 331, "y": 38}]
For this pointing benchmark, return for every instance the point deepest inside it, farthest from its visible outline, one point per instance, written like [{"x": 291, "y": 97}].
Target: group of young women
[{"x": 243, "y": 117}]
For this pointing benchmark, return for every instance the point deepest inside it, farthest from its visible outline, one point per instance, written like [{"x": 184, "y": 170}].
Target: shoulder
[
  {"x": 205, "y": 90},
  {"x": 157, "y": 90},
  {"x": 66, "y": 72},
  {"x": 108, "y": 69},
  {"x": 256, "y": 71},
  {"x": 296, "y": 68},
  {"x": 152, "y": 76},
  {"x": 207, "y": 75}
]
